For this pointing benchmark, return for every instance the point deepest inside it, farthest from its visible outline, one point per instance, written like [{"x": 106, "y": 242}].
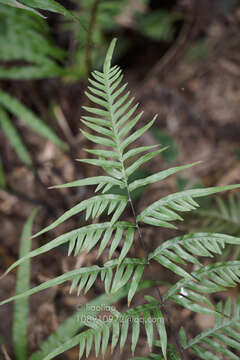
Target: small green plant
[{"x": 111, "y": 122}]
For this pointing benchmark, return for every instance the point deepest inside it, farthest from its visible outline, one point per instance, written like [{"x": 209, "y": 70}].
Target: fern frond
[
  {"x": 14, "y": 138},
  {"x": 94, "y": 207},
  {"x": 158, "y": 176},
  {"x": 40, "y": 55},
  {"x": 161, "y": 212},
  {"x": 112, "y": 122},
  {"x": 119, "y": 324},
  {"x": 225, "y": 217},
  {"x": 219, "y": 342},
  {"x": 209, "y": 279},
  {"x": 103, "y": 183},
  {"x": 72, "y": 325},
  {"x": 29, "y": 118},
  {"x": 223, "y": 339},
  {"x": 85, "y": 238},
  {"x": 188, "y": 247},
  {"x": 84, "y": 278}
]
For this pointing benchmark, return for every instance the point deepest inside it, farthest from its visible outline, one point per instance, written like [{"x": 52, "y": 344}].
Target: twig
[
  {"x": 88, "y": 62},
  {"x": 4, "y": 351},
  {"x": 188, "y": 32}
]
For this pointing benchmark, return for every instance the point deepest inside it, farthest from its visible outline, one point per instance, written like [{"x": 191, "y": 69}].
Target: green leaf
[
  {"x": 136, "y": 134},
  {"x": 35, "y": 53},
  {"x": 188, "y": 247},
  {"x": 135, "y": 281},
  {"x": 21, "y": 307},
  {"x": 121, "y": 200},
  {"x": 164, "y": 210},
  {"x": 19, "y": 5},
  {"x": 222, "y": 338},
  {"x": 158, "y": 24},
  {"x": 50, "y": 5},
  {"x": 95, "y": 180},
  {"x": 224, "y": 217},
  {"x": 158, "y": 176},
  {"x": 143, "y": 159},
  {"x": 14, "y": 138},
  {"x": 164, "y": 139},
  {"x": 85, "y": 277},
  {"x": 80, "y": 239},
  {"x": 29, "y": 118},
  {"x": 209, "y": 279},
  {"x": 160, "y": 323}
]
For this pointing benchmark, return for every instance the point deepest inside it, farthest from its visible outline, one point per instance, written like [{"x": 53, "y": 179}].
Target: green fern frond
[
  {"x": 209, "y": 279},
  {"x": 119, "y": 324},
  {"x": 112, "y": 121},
  {"x": 223, "y": 339},
  {"x": 85, "y": 238},
  {"x": 35, "y": 49},
  {"x": 219, "y": 342},
  {"x": 14, "y": 138},
  {"x": 225, "y": 217},
  {"x": 161, "y": 212},
  {"x": 94, "y": 207},
  {"x": 103, "y": 183},
  {"x": 72, "y": 325},
  {"x": 188, "y": 247},
  {"x": 111, "y": 125},
  {"x": 30, "y": 119},
  {"x": 159, "y": 176},
  {"x": 84, "y": 278}
]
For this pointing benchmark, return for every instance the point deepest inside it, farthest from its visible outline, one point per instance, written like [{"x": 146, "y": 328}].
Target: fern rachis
[{"x": 111, "y": 123}]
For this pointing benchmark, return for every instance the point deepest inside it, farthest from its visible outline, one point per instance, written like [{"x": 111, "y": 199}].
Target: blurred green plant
[
  {"x": 170, "y": 154},
  {"x": 237, "y": 154},
  {"x": 223, "y": 216},
  {"x": 30, "y": 5},
  {"x": 27, "y": 50},
  {"x": 14, "y": 107},
  {"x": 21, "y": 306},
  {"x": 158, "y": 24},
  {"x": 199, "y": 49},
  {"x": 97, "y": 20}
]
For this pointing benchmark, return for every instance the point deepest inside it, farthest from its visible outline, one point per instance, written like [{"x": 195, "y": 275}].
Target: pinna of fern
[
  {"x": 111, "y": 125},
  {"x": 215, "y": 340}
]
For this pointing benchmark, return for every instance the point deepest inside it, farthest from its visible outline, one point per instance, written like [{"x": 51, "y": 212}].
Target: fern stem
[
  {"x": 140, "y": 237},
  {"x": 144, "y": 246},
  {"x": 88, "y": 62}
]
